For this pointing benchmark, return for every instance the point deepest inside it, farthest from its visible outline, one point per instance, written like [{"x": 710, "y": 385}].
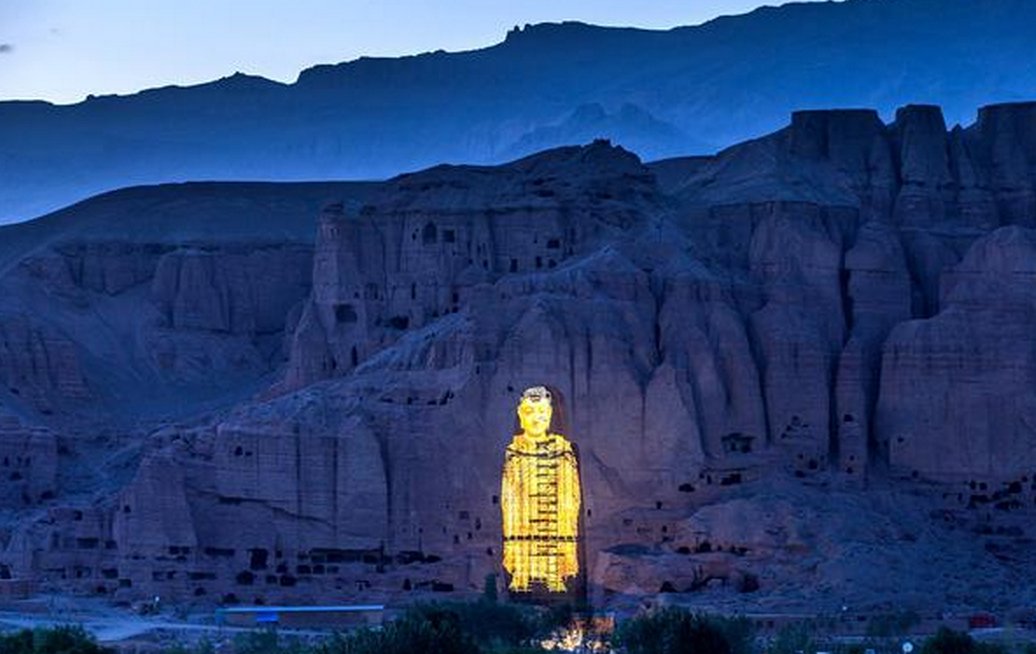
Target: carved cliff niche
[{"x": 540, "y": 501}]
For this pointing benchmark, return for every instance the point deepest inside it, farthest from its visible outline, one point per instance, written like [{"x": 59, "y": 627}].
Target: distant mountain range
[{"x": 689, "y": 90}]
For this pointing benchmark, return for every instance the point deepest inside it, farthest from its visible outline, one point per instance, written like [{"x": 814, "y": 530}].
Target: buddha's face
[{"x": 534, "y": 414}]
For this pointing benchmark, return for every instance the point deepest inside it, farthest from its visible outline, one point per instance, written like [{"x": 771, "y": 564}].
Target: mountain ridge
[{"x": 697, "y": 89}]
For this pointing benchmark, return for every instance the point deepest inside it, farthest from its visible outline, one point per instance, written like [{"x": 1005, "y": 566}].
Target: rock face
[
  {"x": 431, "y": 238},
  {"x": 39, "y": 363},
  {"x": 758, "y": 353},
  {"x": 972, "y": 364},
  {"x": 28, "y": 463}
]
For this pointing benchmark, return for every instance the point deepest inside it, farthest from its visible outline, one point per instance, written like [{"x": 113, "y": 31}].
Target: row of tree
[{"x": 488, "y": 627}]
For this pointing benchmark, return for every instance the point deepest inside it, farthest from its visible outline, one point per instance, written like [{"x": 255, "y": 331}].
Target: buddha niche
[{"x": 540, "y": 500}]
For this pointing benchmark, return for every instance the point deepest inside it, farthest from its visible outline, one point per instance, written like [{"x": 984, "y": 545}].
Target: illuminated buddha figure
[{"x": 540, "y": 500}]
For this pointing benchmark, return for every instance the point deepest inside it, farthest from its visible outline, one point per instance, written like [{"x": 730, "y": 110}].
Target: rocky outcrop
[
  {"x": 956, "y": 398},
  {"x": 1005, "y": 141},
  {"x": 158, "y": 314},
  {"x": 28, "y": 463},
  {"x": 72, "y": 268},
  {"x": 416, "y": 252},
  {"x": 243, "y": 290},
  {"x": 877, "y": 295},
  {"x": 39, "y": 363}
]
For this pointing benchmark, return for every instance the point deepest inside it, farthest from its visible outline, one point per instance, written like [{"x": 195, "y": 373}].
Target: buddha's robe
[{"x": 540, "y": 500}]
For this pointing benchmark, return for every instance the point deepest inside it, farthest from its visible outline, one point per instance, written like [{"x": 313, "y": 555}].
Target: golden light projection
[{"x": 540, "y": 501}]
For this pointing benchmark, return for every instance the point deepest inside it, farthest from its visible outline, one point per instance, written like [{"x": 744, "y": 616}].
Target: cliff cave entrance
[{"x": 540, "y": 500}]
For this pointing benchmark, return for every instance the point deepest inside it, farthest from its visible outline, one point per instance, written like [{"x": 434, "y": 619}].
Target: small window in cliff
[
  {"x": 737, "y": 443},
  {"x": 514, "y": 265},
  {"x": 553, "y": 244},
  {"x": 449, "y": 236},
  {"x": 345, "y": 313},
  {"x": 748, "y": 584},
  {"x": 354, "y": 357},
  {"x": 539, "y": 262},
  {"x": 429, "y": 235},
  {"x": 399, "y": 322},
  {"x": 258, "y": 558}
]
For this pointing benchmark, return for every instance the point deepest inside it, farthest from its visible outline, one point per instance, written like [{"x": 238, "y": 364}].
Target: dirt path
[{"x": 120, "y": 628}]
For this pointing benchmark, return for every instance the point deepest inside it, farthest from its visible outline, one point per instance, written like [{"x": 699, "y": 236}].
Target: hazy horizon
[{"x": 61, "y": 50}]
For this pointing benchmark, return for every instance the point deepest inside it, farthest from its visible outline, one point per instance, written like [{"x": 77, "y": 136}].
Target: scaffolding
[{"x": 541, "y": 513}]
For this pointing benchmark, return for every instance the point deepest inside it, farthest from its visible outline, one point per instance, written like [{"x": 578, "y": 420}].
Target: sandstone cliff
[{"x": 786, "y": 365}]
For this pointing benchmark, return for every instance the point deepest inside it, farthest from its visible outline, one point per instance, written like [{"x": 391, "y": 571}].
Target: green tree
[
  {"x": 948, "y": 641},
  {"x": 65, "y": 639},
  {"x": 794, "y": 639},
  {"x": 675, "y": 631},
  {"x": 267, "y": 641},
  {"x": 892, "y": 624},
  {"x": 428, "y": 629}
]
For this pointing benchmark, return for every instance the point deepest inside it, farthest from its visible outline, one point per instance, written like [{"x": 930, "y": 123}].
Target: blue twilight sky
[{"x": 61, "y": 50}]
